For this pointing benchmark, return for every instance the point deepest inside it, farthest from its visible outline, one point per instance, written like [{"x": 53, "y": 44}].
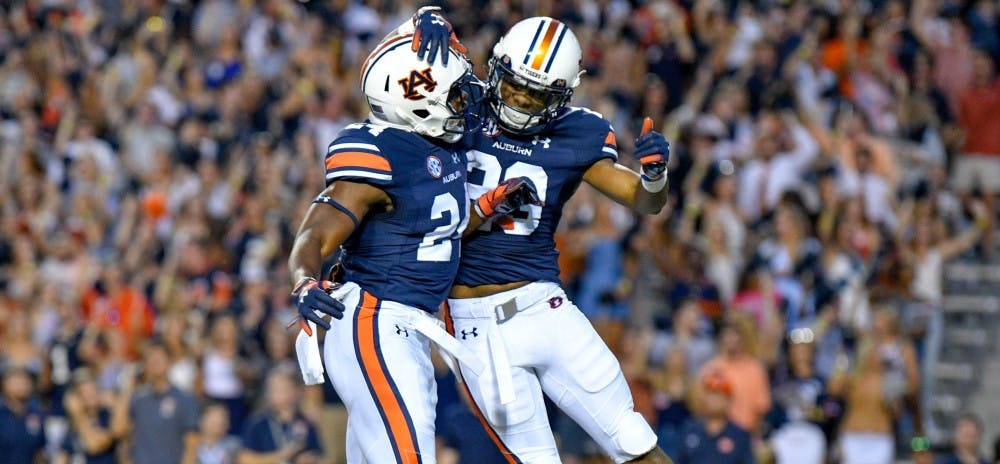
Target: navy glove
[
  {"x": 652, "y": 150},
  {"x": 311, "y": 296},
  {"x": 433, "y": 35},
  {"x": 507, "y": 197}
]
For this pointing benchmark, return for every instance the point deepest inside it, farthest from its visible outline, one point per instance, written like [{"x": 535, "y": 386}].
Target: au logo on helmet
[{"x": 415, "y": 80}]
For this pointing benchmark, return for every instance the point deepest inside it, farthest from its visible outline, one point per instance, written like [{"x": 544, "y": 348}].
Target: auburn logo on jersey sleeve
[{"x": 415, "y": 80}]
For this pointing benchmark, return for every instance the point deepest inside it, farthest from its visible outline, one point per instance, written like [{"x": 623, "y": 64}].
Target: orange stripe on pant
[
  {"x": 543, "y": 49},
  {"x": 508, "y": 455},
  {"x": 396, "y": 423}
]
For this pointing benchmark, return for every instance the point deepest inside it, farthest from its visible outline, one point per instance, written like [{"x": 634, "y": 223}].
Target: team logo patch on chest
[
  {"x": 434, "y": 166},
  {"x": 415, "y": 80}
]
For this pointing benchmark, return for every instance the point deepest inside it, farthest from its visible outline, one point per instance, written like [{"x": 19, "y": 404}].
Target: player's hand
[
  {"x": 507, "y": 197},
  {"x": 652, "y": 150},
  {"x": 311, "y": 296},
  {"x": 434, "y": 34}
]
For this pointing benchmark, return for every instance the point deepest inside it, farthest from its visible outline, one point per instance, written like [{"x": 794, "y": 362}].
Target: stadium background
[{"x": 157, "y": 156}]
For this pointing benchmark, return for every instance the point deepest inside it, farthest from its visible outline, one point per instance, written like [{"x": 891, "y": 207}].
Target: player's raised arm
[
  {"x": 330, "y": 220},
  {"x": 645, "y": 192}
]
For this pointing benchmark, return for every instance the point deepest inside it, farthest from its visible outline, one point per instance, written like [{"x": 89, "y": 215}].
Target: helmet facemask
[{"x": 521, "y": 105}]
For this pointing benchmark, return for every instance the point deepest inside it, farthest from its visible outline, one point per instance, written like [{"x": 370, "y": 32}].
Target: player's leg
[
  {"x": 354, "y": 454},
  {"x": 520, "y": 430},
  {"x": 382, "y": 372},
  {"x": 584, "y": 378}
]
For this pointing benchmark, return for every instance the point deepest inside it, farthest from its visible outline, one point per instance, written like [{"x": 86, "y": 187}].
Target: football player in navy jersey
[
  {"x": 396, "y": 204},
  {"x": 507, "y": 304}
]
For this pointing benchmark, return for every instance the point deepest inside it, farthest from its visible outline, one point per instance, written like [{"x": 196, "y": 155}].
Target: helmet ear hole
[{"x": 421, "y": 113}]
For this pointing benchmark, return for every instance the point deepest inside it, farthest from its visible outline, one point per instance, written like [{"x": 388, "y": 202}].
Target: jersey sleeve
[
  {"x": 593, "y": 135},
  {"x": 609, "y": 149},
  {"x": 357, "y": 159}
]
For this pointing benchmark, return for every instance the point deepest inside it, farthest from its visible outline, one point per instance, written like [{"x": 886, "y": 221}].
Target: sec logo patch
[{"x": 434, "y": 166}]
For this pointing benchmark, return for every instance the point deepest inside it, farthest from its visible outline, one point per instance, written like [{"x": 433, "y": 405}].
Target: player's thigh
[
  {"x": 586, "y": 381},
  {"x": 520, "y": 427},
  {"x": 381, "y": 369}
]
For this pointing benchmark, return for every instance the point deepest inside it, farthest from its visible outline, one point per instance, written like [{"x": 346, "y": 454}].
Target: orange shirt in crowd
[
  {"x": 751, "y": 389},
  {"x": 126, "y": 310},
  {"x": 977, "y": 111}
]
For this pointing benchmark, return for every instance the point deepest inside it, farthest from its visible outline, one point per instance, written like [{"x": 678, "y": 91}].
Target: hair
[
  {"x": 155, "y": 343},
  {"x": 972, "y": 418},
  {"x": 282, "y": 370}
]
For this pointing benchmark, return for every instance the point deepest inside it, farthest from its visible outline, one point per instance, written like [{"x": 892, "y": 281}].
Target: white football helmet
[
  {"x": 533, "y": 72},
  {"x": 434, "y": 100}
]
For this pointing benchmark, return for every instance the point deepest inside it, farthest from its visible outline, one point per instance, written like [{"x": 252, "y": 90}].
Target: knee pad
[{"x": 634, "y": 437}]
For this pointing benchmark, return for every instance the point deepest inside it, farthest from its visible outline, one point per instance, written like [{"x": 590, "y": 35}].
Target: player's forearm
[
  {"x": 646, "y": 202},
  {"x": 474, "y": 221},
  {"x": 306, "y": 257}
]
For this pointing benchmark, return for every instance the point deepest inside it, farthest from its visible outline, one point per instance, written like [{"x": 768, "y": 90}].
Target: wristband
[
  {"x": 302, "y": 283},
  {"x": 654, "y": 186}
]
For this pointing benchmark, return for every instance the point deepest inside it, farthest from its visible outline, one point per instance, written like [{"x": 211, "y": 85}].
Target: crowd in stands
[{"x": 828, "y": 158}]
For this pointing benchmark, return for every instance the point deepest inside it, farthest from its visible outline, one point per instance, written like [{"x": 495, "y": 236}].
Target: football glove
[
  {"x": 434, "y": 34},
  {"x": 311, "y": 296},
  {"x": 652, "y": 150},
  {"x": 507, "y": 197}
]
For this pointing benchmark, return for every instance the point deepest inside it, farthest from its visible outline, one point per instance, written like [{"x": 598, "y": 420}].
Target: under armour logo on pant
[
  {"x": 471, "y": 332},
  {"x": 401, "y": 331}
]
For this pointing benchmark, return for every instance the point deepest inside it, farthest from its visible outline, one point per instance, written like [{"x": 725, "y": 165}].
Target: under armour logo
[
  {"x": 436, "y": 20},
  {"x": 555, "y": 302},
  {"x": 455, "y": 158},
  {"x": 471, "y": 332},
  {"x": 543, "y": 140},
  {"x": 415, "y": 80},
  {"x": 401, "y": 331}
]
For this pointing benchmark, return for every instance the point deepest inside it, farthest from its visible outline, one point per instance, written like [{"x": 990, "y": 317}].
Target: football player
[
  {"x": 396, "y": 203},
  {"x": 507, "y": 304}
]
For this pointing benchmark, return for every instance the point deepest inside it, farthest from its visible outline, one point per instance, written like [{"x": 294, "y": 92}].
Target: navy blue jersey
[
  {"x": 408, "y": 254},
  {"x": 524, "y": 247}
]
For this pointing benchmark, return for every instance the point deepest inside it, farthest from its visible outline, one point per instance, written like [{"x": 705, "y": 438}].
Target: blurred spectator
[
  {"x": 783, "y": 149},
  {"x": 791, "y": 258},
  {"x": 736, "y": 364},
  {"x": 162, "y": 420},
  {"x": 600, "y": 295},
  {"x": 280, "y": 433},
  {"x": 715, "y": 439},
  {"x": 801, "y": 398},
  {"x": 21, "y": 434},
  {"x": 978, "y": 167},
  {"x": 114, "y": 304},
  {"x": 89, "y": 411},
  {"x": 966, "y": 439},
  {"x": 672, "y": 389},
  {"x": 156, "y": 157},
  {"x": 875, "y": 391},
  {"x": 224, "y": 371},
  {"x": 688, "y": 336},
  {"x": 215, "y": 445}
]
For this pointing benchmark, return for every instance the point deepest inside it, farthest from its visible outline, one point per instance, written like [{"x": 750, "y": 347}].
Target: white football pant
[{"x": 543, "y": 343}]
